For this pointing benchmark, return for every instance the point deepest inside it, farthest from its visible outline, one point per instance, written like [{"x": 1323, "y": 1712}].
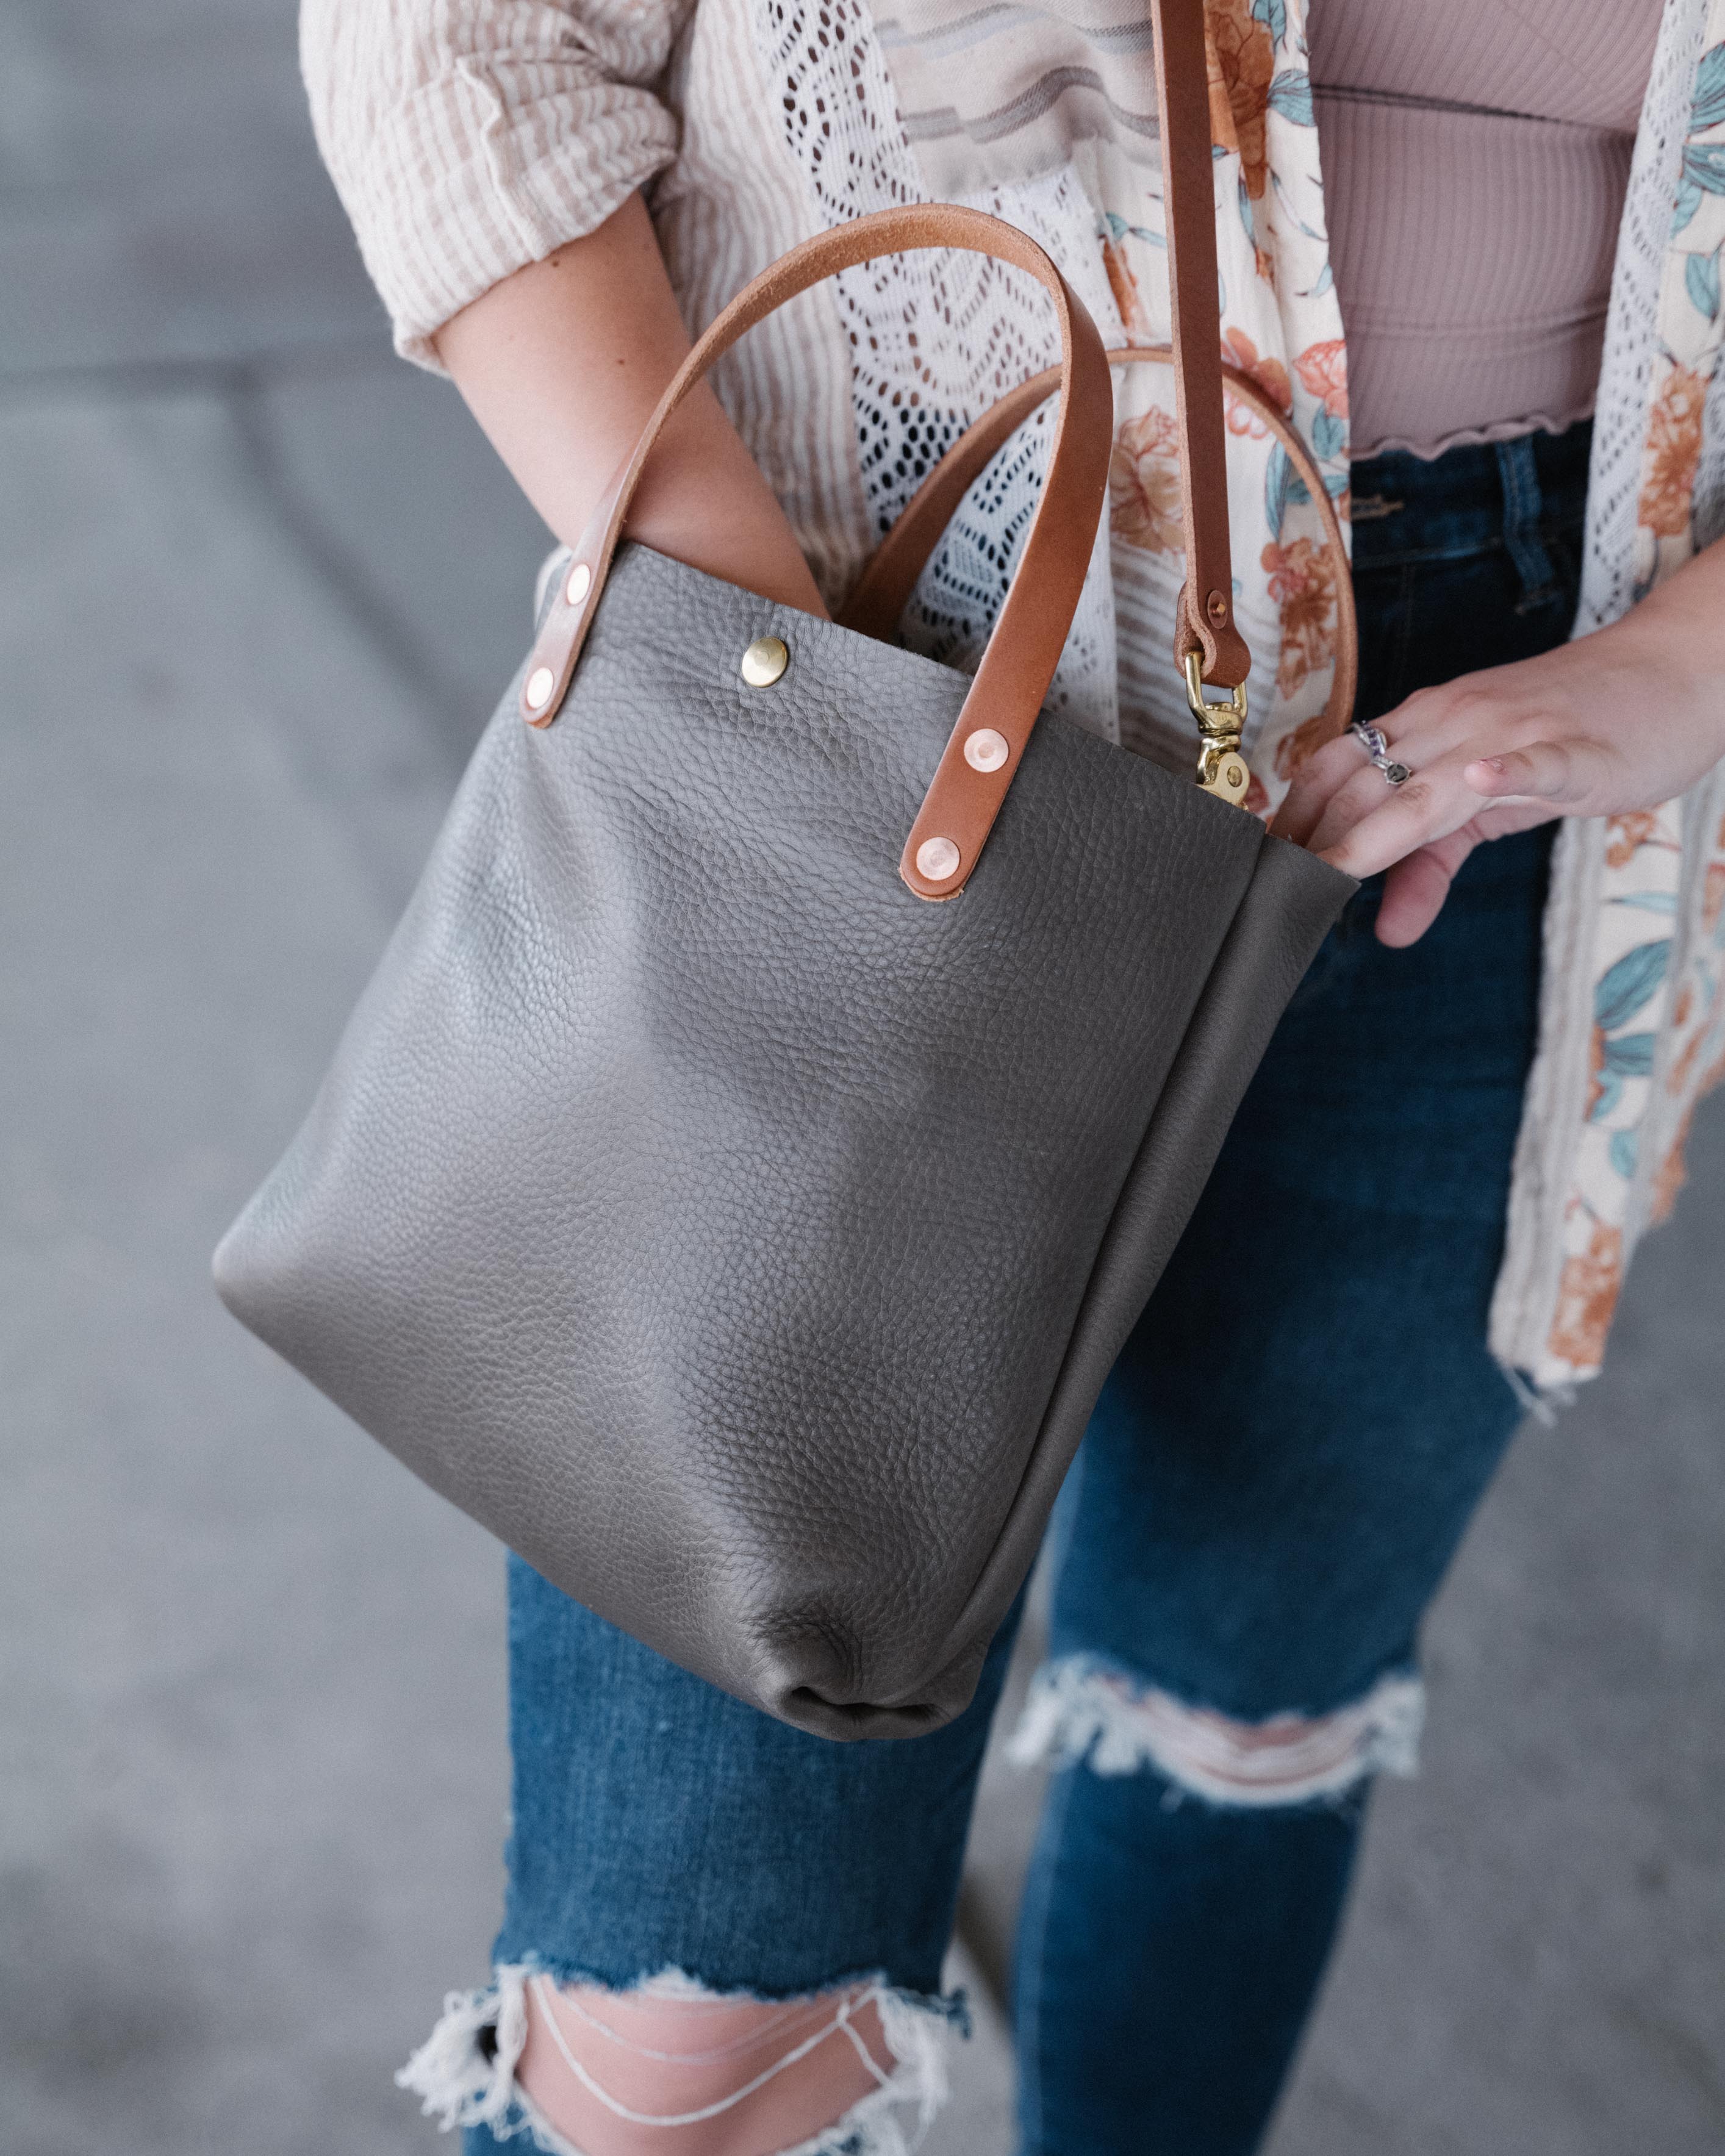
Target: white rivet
[
  {"x": 985, "y": 749},
  {"x": 937, "y": 859},
  {"x": 539, "y": 687},
  {"x": 580, "y": 581},
  {"x": 764, "y": 661}
]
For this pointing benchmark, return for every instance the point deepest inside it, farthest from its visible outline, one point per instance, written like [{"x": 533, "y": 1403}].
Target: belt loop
[{"x": 1523, "y": 510}]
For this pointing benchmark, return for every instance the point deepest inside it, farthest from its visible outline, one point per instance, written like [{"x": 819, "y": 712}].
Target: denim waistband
[{"x": 1474, "y": 499}]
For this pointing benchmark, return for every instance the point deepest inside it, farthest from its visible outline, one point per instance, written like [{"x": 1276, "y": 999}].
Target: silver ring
[{"x": 1371, "y": 740}]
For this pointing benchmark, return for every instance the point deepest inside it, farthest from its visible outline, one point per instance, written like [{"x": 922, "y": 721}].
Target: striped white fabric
[{"x": 470, "y": 137}]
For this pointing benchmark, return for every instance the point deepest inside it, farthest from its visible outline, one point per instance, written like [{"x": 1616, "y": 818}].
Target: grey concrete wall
[{"x": 259, "y": 585}]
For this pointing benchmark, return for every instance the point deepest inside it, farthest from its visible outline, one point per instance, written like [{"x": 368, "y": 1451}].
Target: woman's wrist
[
  {"x": 1677, "y": 635},
  {"x": 563, "y": 364},
  {"x": 702, "y": 500}
]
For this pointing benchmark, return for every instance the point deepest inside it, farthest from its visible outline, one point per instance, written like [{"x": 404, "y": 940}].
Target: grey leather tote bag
[{"x": 787, "y": 1084}]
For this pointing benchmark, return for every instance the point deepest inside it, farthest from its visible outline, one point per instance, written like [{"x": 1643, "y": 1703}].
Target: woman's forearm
[{"x": 562, "y": 364}]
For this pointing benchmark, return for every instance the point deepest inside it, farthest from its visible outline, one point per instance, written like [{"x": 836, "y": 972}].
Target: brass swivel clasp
[{"x": 1221, "y": 768}]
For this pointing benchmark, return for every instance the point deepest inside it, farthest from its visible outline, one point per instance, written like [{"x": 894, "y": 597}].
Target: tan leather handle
[
  {"x": 1007, "y": 694},
  {"x": 1189, "y": 200},
  {"x": 883, "y": 590}
]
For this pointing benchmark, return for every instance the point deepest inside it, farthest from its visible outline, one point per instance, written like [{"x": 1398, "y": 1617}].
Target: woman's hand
[
  {"x": 1624, "y": 719},
  {"x": 563, "y": 364}
]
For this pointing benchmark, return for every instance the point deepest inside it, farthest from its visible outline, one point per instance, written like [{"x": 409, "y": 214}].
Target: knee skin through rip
[
  {"x": 642, "y": 2072},
  {"x": 669, "y": 2067},
  {"x": 1079, "y": 1710}
]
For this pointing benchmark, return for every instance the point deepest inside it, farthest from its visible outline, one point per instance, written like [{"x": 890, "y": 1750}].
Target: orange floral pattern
[
  {"x": 1595, "y": 1073},
  {"x": 1144, "y": 483},
  {"x": 1323, "y": 368},
  {"x": 1625, "y": 833},
  {"x": 1673, "y": 1174},
  {"x": 1683, "y": 1068},
  {"x": 1673, "y": 454},
  {"x": 1269, "y": 373},
  {"x": 1586, "y": 1295},
  {"x": 1712, "y": 896},
  {"x": 1242, "y": 64},
  {"x": 1125, "y": 288},
  {"x": 1303, "y": 582}
]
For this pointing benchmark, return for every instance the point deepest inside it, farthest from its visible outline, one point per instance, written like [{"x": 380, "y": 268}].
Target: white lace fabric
[{"x": 938, "y": 336}]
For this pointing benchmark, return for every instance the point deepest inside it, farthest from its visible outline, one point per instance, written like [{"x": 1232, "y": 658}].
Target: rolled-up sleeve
[{"x": 469, "y": 137}]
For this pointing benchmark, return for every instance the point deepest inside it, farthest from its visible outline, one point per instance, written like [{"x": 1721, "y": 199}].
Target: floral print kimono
[{"x": 1633, "y": 1022}]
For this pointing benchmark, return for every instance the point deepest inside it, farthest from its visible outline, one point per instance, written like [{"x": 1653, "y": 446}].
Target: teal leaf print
[
  {"x": 1274, "y": 15},
  {"x": 1287, "y": 203},
  {"x": 1709, "y": 90},
  {"x": 1630, "y": 1054},
  {"x": 1276, "y": 475},
  {"x": 1700, "y": 280},
  {"x": 1703, "y": 173},
  {"x": 1328, "y": 433},
  {"x": 1625, "y": 1145},
  {"x": 1649, "y": 901},
  {"x": 1245, "y": 211},
  {"x": 1291, "y": 95},
  {"x": 1282, "y": 484},
  {"x": 1115, "y": 229},
  {"x": 1633, "y": 980}
]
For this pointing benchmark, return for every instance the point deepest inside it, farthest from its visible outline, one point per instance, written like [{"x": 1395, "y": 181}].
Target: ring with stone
[{"x": 1371, "y": 740}]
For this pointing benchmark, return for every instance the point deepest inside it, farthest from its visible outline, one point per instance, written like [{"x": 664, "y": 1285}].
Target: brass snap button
[
  {"x": 937, "y": 859},
  {"x": 764, "y": 661}
]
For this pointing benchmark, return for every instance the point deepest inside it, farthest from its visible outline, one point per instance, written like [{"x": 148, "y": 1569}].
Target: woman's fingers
[
  {"x": 1363, "y": 833},
  {"x": 1562, "y": 773},
  {"x": 1415, "y": 889},
  {"x": 1368, "y": 828},
  {"x": 1314, "y": 783},
  {"x": 1364, "y": 791}
]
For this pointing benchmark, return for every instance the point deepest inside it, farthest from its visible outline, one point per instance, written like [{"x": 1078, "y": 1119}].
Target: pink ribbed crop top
[{"x": 1476, "y": 157}]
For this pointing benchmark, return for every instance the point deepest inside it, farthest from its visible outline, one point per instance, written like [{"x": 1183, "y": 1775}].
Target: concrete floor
[{"x": 259, "y": 585}]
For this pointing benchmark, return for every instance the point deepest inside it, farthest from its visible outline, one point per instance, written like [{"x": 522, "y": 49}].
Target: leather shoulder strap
[{"x": 1189, "y": 200}]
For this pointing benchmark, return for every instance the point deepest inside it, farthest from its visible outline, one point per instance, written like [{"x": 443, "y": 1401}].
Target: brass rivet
[
  {"x": 1236, "y": 775},
  {"x": 539, "y": 683},
  {"x": 764, "y": 661},
  {"x": 937, "y": 859},
  {"x": 579, "y": 584},
  {"x": 1216, "y": 607},
  {"x": 985, "y": 749}
]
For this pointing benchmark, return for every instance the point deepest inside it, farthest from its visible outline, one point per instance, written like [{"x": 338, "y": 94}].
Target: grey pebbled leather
[{"x": 741, "y": 1238}]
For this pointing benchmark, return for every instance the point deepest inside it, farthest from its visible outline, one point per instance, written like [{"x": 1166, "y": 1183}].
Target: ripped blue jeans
[{"x": 1276, "y": 1476}]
